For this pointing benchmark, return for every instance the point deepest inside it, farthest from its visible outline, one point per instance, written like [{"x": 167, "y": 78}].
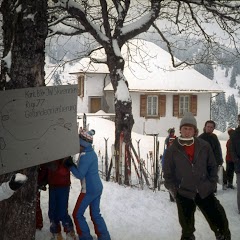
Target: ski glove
[
  {"x": 16, "y": 181},
  {"x": 69, "y": 162}
]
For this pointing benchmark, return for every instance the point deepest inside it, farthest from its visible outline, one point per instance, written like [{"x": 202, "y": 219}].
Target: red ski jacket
[{"x": 58, "y": 174}]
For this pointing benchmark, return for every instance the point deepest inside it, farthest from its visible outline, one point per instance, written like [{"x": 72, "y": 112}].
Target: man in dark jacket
[
  {"x": 190, "y": 173},
  {"x": 212, "y": 139},
  {"x": 235, "y": 154}
]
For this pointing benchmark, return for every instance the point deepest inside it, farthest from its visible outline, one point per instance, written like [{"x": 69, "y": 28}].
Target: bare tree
[
  {"x": 105, "y": 22},
  {"x": 24, "y": 32},
  {"x": 213, "y": 25},
  {"x": 113, "y": 23}
]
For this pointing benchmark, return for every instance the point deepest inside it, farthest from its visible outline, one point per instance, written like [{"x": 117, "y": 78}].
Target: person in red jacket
[
  {"x": 59, "y": 187},
  {"x": 229, "y": 162}
]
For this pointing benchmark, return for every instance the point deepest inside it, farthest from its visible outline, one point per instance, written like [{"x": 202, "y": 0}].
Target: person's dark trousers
[
  {"x": 171, "y": 198},
  {"x": 211, "y": 209},
  {"x": 224, "y": 177},
  {"x": 230, "y": 172},
  {"x": 186, "y": 209},
  {"x": 214, "y": 214}
]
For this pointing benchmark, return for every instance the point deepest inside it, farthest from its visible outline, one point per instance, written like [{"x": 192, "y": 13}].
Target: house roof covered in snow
[{"x": 148, "y": 68}]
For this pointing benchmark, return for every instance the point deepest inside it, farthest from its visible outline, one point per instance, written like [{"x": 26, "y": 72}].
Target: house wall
[
  {"x": 93, "y": 87},
  {"x": 110, "y": 100},
  {"x": 160, "y": 126}
]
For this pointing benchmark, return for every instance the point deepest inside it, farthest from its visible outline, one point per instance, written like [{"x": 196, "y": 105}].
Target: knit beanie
[
  {"x": 188, "y": 119},
  {"x": 171, "y": 130},
  {"x": 86, "y": 137}
]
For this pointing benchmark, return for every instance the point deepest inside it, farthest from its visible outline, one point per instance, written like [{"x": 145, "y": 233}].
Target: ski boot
[
  {"x": 71, "y": 236},
  {"x": 57, "y": 236}
]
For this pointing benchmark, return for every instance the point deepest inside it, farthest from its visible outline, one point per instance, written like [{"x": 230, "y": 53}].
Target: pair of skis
[
  {"x": 125, "y": 158},
  {"x": 127, "y": 155}
]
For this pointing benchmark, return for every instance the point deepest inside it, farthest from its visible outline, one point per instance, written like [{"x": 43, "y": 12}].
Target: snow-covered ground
[{"x": 135, "y": 214}]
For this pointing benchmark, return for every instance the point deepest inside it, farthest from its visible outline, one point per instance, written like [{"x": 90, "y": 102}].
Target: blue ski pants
[
  {"x": 58, "y": 209},
  {"x": 93, "y": 201}
]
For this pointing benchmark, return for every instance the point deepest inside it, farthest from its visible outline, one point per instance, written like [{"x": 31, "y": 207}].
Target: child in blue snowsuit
[{"x": 87, "y": 171}]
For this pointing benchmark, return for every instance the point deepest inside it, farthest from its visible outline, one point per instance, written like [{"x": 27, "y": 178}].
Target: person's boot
[
  {"x": 224, "y": 187},
  {"x": 57, "y": 236},
  {"x": 221, "y": 236},
  {"x": 71, "y": 235},
  {"x": 230, "y": 186},
  {"x": 188, "y": 238}
]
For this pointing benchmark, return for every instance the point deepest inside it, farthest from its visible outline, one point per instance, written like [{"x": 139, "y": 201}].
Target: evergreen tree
[
  {"x": 213, "y": 111},
  {"x": 226, "y": 72},
  {"x": 233, "y": 77},
  {"x": 206, "y": 70},
  {"x": 219, "y": 112},
  {"x": 232, "y": 113},
  {"x": 56, "y": 79}
]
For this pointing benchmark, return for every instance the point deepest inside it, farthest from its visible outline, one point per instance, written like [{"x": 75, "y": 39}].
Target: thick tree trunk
[
  {"x": 123, "y": 109},
  {"x": 24, "y": 34}
]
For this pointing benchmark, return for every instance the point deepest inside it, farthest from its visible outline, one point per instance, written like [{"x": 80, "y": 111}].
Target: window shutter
[
  {"x": 175, "y": 105},
  {"x": 194, "y": 104},
  {"x": 143, "y": 105},
  {"x": 81, "y": 86},
  {"x": 162, "y": 105},
  {"x": 83, "y": 78}
]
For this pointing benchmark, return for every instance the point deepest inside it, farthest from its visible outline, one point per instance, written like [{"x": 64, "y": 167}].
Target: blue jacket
[{"x": 87, "y": 171}]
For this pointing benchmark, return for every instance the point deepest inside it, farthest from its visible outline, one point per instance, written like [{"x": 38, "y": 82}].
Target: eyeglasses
[{"x": 186, "y": 141}]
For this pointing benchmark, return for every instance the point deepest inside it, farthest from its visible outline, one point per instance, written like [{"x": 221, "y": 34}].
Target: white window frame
[
  {"x": 152, "y": 105},
  {"x": 184, "y": 104}
]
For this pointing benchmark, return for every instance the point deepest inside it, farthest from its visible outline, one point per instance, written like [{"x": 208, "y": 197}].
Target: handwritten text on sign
[{"x": 37, "y": 125}]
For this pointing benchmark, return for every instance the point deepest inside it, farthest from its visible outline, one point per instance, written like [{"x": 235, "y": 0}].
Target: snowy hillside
[{"x": 219, "y": 77}]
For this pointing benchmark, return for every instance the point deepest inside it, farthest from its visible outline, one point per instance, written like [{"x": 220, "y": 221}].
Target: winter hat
[
  {"x": 86, "y": 137},
  {"x": 171, "y": 130},
  {"x": 188, "y": 119}
]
